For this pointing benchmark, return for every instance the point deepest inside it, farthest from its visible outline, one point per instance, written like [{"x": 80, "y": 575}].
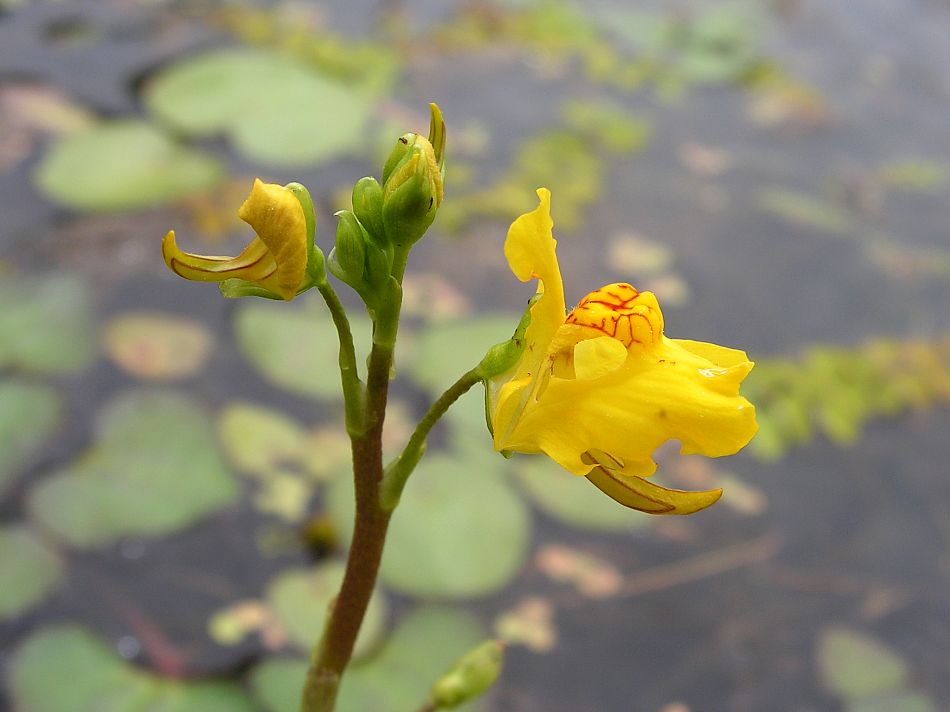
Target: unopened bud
[
  {"x": 472, "y": 675},
  {"x": 349, "y": 255},
  {"x": 412, "y": 183},
  {"x": 368, "y": 207}
]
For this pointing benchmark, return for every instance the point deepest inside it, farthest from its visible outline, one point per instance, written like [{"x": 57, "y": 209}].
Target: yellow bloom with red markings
[
  {"x": 275, "y": 260},
  {"x": 600, "y": 388}
]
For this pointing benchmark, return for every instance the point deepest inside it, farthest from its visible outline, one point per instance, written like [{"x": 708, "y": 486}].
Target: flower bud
[
  {"x": 349, "y": 256},
  {"x": 413, "y": 183},
  {"x": 471, "y": 676},
  {"x": 368, "y": 207}
]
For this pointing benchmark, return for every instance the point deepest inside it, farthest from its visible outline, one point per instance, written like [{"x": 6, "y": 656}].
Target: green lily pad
[
  {"x": 300, "y": 598},
  {"x": 895, "y": 702},
  {"x": 275, "y": 109},
  {"x": 259, "y": 440},
  {"x": 122, "y": 165},
  {"x": 437, "y": 361},
  {"x": 419, "y": 651},
  {"x": 296, "y": 349},
  {"x": 28, "y": 568},
  {"x": 806, "y": 211},
  {"x": 29, "y": 413},
  {"x": 458, "y": 531},
  {"x": 157, "y": 347},
  {"x": 68, "y": 668},
  {"x": 854, "y": 665},
  {"x": 154, "y": 469},
  {"x": 573, "y": 500},
  {"x": 46, "y": 324}
]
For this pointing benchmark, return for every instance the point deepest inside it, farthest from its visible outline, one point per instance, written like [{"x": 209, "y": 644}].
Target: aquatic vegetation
[
  {"x": 834, "y": 391},
  {"x": 572, "y": 161}
]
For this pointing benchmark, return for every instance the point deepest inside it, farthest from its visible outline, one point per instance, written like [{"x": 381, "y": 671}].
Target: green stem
[
  {"x": 354, "y": 397},
  {"x": 398, "y": 471},
  {"x": 335, "y": 648}
]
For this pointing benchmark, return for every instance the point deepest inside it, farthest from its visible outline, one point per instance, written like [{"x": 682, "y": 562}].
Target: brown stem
[{"x": 333, "y": 653}]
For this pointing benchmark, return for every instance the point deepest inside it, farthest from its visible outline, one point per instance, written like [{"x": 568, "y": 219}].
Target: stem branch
[
  {"x": 354, "y": 397},
  {"x": 398, "y": 471}
]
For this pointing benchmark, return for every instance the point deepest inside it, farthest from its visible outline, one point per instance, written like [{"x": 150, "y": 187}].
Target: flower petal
[
  {"x": 665, "y": 393},
  {"x": 279, "y": 220},
  {"x": 638, "y": 493},
  {"x": 530, "y": 250},
  {"x": 254, "y": 264}
]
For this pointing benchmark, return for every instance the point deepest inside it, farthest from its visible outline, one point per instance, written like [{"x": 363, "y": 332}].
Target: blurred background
[{"x": 174, "y": 499}]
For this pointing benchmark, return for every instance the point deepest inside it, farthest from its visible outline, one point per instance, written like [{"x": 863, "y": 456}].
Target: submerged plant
[{"x": 597, "y": 389}]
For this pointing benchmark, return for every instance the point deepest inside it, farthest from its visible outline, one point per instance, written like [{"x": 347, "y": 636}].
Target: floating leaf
[
  {"x": 28, "y": 568},
  {"x": 437, "y": 361},
  {"x": 915, "y": 175},
  {"x": 573, "y": 500},
  {"x": 397, "y": 680},
  {"x": 591, "y": 575},
  {"x": 29, "y": 413},
  {"x": 153, "y": 470},
  {"x": 295, "y": 349},
  {"x": 854, "y": 665},
  {"x": 259, "y": 440},
  {"x": 46, "y": 324},
  {"x": 122, "y": 165},
  {"x": 276, "y": 109},
  {"x": 806, "y": 211},
  {"x": 893, "y": 702},
  {"x": 285, "y": 495},
  {"x": 458, "y": 532},
  {"x": 67, "y": 668},
  {"x": 157, "y": 347},
  {"x": 636, "y": 255},
  {"x": 300, "y": 598},
  {"x": 530, "y": 623}
]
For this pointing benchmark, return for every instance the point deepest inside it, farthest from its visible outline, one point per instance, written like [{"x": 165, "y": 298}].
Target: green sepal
[{"x": 316, "y": 262}]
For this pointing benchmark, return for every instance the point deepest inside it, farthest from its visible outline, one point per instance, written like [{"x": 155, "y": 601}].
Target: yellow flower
[
  {"x": 598, "y": 390},
  {"x": 276, "y": 259}
]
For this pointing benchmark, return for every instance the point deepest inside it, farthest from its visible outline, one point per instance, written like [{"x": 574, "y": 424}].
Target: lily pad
[
  {"x": 259, "y": 440},
  {"x": 895, "y": 702},
  {"x": 66, "y": 667},
  {"x": 296, "y": 349},
  {"x": 153, "y": 470},
  {"x": 300, "y": 598},
  {"x": 29, "y": 413},
  {"x": 421, "y": 649},
  {"x": 276, "y": 109},
  {"x": 28, "y": 568},
  {"x": 854, "y": 665},
  {"x": 573, "y": 500},
  {"x": 46, "y": 324},
  {"x": 458, "y": 531},
  {"x": 806, "y": 211},
  {"x": 157, "y": 347},
  {"x": 437, "y": 360},
  {"x": 122, "y": 165}
]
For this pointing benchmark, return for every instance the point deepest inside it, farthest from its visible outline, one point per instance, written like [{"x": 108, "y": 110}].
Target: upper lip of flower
[{"x": 599, "y": 389}]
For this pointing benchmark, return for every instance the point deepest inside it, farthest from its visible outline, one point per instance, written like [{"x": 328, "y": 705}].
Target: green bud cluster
[
  {"x": 472, "y": 675},
  {"x": 363, "y": 256}
]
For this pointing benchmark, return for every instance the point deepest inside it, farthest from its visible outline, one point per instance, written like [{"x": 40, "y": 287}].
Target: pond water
[{"x": 778, "y": 173}]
